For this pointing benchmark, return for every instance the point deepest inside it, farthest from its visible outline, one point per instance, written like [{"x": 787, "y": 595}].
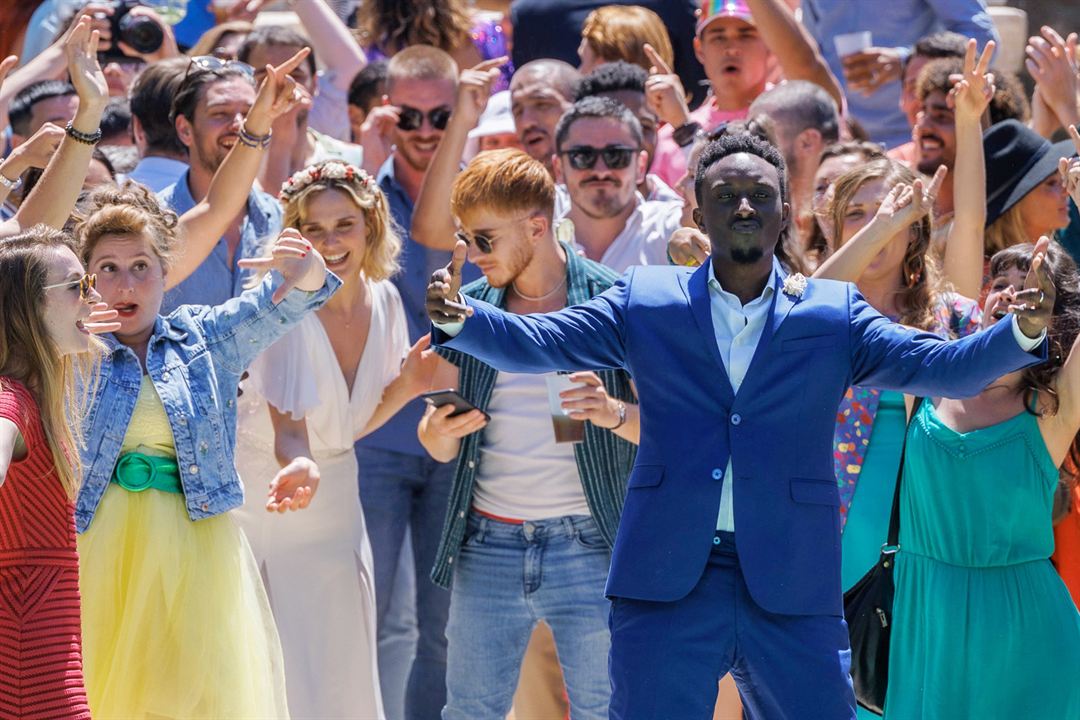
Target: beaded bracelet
[
  {"x": 84, "y": 138},
  {"x": 254, "y": 141}
]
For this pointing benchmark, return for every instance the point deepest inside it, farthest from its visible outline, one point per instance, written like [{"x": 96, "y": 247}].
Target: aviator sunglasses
[
  {"x": 211, "y": 63},
  {"x": 484, "y": 243},
  {"x": 411, "y": 119},
  {"x": 616, "y": 157},
  {"x": 86, "y": 283}
]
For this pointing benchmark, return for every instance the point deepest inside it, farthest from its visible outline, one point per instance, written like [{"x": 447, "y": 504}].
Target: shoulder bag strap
[{"x": 892, "y": 542}]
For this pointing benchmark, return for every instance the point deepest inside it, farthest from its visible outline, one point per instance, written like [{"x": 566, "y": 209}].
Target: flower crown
[{"x": 326, "y": 170}]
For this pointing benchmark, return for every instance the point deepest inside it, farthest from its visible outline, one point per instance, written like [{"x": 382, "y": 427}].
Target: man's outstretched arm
[{"x": 589, "y": 336}]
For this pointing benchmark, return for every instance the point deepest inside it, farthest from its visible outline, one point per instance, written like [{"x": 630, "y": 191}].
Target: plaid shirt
[{"x": 604, "y": 460}]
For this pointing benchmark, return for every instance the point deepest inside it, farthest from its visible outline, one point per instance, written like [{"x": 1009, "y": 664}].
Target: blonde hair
[
  {"x": 619, "y": 32},
  {"x": 919, "y": 274},
  {"x": 383, "y": 243},
  {"x": 128, "y": 210},
  {"x": 504, "y": 180},
  {"x": 421, "y": 62},
  {"x": 1006, "y": 231},
  {"x": 29, "y": 354}
]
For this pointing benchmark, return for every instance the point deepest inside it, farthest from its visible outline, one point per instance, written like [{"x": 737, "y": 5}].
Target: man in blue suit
[{"x": 727, "y": 557}]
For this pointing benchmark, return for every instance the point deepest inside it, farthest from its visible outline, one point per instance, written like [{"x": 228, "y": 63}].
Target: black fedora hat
[{"x": 1017, "y": 160}]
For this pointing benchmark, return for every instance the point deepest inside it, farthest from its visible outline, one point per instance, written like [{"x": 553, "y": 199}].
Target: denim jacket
[{"x": 195, "y": 359}]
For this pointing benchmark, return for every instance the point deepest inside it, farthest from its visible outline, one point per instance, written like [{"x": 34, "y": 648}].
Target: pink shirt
[{"x": 669, "y": 160}]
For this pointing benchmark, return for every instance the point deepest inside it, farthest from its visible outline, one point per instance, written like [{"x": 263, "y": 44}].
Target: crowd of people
[{"x": 417, "y": 359}]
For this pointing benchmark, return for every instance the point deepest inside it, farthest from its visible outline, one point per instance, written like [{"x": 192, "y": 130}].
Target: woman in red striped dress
[{"x": 49, "y": 308}]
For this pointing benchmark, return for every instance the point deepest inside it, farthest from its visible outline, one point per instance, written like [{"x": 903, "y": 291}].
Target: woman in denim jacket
[{"x": 176, "y": 620}]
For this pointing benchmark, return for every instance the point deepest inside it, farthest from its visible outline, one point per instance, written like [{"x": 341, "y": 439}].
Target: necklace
[{"x": 545, "y": 296}]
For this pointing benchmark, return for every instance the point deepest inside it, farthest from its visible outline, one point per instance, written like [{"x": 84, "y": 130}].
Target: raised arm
[
  {"x": 794, "y": 48},
  {"x": 1069, "y": 168},
  {"x": 34, "y": 153},
  {"x": 889, "y": 356},
  {"x": 902, "y": 206},
  {"x": 339, "y": 51},
  {"x": 581, "y": 337},
  {"x": 203, "y": 225},
  {"x": 1052, "y": 63},
  {"x": 964, "y": 248},
  {"x": 432, "y": 224},
  {"x": 53, "y": 199}
]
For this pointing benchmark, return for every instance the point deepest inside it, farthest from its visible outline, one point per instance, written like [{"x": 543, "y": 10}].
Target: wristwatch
[{"x": 621, "y": 409}]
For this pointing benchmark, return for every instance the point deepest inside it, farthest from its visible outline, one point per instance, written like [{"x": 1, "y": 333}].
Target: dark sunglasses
[
  {"x": 210, "y": 63},
  {"x": 411, "y": 119},
  {"x": 616, "y": 157},
  {"x": 483, "y": 243},
  {"x": 86, "y": 283}
]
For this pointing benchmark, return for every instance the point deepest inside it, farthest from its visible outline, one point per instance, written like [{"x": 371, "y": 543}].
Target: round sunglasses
[{"x": 411, "y": 119}]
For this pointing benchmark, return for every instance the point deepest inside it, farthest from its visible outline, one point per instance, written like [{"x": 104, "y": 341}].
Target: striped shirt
[{"x": 603, "y": 459}]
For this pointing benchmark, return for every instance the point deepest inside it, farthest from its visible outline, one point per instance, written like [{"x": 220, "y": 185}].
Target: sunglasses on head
[
  {"x": 616, "y": 157},
  {"x": 412, "y": 119},
  {"x": 210, "y": 63},
  {"x": 86, "y": 283}
]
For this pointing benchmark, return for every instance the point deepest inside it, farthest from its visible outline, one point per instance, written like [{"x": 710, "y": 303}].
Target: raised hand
[
  {"x": 81, "y": 49},
  {"x": 474, "y": 89},
  {"x": 905, "y": 204},
  {"x": 101, "y": 320},
  {"x": 664, "y": 91},
  {"x": 278, "y": 94},
  {"x": 301, "y": 265},
  {"x": 974, "y": 89},
  {"x": 38, "y": 150},
  {"x": 1069, "y": 168},
  {"x": 1034, "y": 305},
  {"x": 377, "y": 134},
  {"x": 1051, "y": 61},
  {"x": 444, "y": 290},
  {"x": 294, "y": 486}
]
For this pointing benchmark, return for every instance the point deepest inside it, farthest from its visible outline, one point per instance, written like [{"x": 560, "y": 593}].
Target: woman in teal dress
[{"x": 983, "y": 626}]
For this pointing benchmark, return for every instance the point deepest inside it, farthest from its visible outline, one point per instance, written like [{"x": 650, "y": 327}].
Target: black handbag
[{"x": 868, "y": 609}]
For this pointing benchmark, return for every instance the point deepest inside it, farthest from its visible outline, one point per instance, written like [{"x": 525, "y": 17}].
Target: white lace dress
[{"x": 317, "y": 562}]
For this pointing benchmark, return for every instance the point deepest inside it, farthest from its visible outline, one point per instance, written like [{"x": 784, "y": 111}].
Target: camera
[{"x": 140, "y": 32}]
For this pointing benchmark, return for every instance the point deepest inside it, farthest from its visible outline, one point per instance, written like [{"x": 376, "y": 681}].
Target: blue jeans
[
  {"x": 508, "y": 577},
  {"x": 400, "y": 491}
]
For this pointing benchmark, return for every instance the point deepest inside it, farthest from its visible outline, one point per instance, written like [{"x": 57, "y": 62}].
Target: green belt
[{"x": 136, "y": 472}]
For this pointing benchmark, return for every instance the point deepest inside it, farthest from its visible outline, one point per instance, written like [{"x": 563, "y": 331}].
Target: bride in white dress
[{"x": 337, "y": 376}]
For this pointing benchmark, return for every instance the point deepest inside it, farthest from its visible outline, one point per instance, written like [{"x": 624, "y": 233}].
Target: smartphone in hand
[{"x": 438, "y": 398}]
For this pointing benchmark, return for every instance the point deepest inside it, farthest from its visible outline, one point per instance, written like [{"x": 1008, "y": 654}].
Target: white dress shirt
[
  {"x": 738, "y": 329},
  {"x": 644, "y": 237}
]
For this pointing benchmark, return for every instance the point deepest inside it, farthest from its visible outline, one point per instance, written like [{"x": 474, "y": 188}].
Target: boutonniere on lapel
[{"x": 795, "y": 285}]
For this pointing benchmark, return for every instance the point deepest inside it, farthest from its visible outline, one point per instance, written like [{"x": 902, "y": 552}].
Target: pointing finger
[
  {"x": 654, "y": 58},
  {"x": 491, "y": 64},
  {"x": 1074, "y": 135}
]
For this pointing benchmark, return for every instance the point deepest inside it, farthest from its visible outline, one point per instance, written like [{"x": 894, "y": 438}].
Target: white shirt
[
  {"x": 644, "y": 237},
  {"x": 523, "y": 473},
  {"x": 738, "y": 329}
]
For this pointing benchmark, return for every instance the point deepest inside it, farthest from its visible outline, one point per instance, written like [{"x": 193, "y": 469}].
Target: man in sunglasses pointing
[{"x": 600, "y": 158}]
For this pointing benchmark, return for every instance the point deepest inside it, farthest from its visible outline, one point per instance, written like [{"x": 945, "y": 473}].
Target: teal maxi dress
[{"x": 983, "y": 627}]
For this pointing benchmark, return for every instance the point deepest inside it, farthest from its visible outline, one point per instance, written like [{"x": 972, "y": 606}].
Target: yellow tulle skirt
[{"x": 176, "y": 622}]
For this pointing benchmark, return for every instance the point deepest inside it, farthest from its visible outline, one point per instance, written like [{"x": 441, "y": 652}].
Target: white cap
[{"x": 496, "y": 118}]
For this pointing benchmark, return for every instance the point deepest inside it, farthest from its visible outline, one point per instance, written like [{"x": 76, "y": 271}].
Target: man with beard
[
  {"x": 521, "y": 497},
  {"x": 208, "y": 113},
  {"x": 727, "y": 558},
  {"x": 600, "y": 158},
  {"x": 402, "y": 487}
]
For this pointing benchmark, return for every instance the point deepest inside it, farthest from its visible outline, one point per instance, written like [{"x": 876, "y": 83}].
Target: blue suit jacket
[{"x": 778, "y": 429}]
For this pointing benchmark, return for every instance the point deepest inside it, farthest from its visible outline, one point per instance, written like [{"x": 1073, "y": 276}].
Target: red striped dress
[{"x": 40, "y": 636}]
